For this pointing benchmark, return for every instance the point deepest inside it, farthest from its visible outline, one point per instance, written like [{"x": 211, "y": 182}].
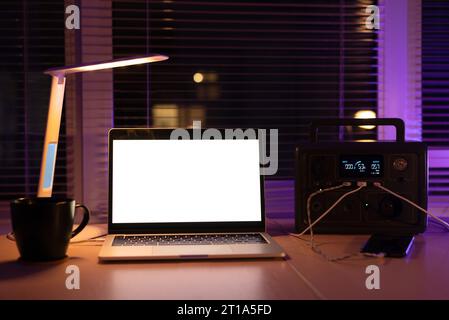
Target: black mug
[{"x": 43, "y": 226}]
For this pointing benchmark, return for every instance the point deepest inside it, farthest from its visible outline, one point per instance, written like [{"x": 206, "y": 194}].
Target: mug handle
[{"x": 84, "y": 222}]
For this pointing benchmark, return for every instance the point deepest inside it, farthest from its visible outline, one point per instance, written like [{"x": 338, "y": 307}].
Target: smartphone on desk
[{"x": 397, "y": 246}]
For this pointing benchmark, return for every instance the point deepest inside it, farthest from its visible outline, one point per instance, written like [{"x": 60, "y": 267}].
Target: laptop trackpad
[{"x": 191, "y": 250}]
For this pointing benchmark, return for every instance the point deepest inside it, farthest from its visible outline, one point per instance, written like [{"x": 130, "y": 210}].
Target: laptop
[{"x": 185, "y": 198}]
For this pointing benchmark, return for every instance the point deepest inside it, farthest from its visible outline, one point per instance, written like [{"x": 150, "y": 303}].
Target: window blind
[
  {"x": 32, "y": 40},
  {"x": 435, "y": 93},
  {"x": 259, "y": 64}
]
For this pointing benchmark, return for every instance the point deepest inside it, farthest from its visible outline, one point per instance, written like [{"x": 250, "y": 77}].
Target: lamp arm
[{"x": 51, "y": 136}]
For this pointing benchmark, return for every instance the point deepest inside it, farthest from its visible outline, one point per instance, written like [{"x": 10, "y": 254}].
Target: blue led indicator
[{"x": 50, "y": 165}]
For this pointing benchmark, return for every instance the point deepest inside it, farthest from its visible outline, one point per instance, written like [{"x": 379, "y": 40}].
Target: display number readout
[{"x": 361, "y": 166}]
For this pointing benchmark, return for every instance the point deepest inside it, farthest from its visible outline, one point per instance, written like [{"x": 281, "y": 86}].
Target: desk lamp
[{"x": 55, "y": 108}]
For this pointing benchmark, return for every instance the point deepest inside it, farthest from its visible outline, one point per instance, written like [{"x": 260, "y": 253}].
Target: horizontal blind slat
[{"x": 276, "y": 64}]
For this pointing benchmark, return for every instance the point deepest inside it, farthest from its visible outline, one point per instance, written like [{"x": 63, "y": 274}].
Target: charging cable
[
  {"x": 100, "y": 239},
  {"x": 314, "y": 247},
  {"x": 439, "y": 220},
  {"x": 361, "y": 185},
  {"x": 309, "y": 200}
]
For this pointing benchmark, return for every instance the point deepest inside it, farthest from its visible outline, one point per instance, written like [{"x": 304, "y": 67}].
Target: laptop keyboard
[{"x": 188, "y": 239}]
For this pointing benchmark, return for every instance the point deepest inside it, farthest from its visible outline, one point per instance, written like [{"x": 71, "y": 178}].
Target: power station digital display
[{"x": 361, "y": 166}]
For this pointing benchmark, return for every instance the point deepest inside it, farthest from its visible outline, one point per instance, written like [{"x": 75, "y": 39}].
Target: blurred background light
[
  {"x": 198, "y": 77},
  {"x": 365, "y": 114}
]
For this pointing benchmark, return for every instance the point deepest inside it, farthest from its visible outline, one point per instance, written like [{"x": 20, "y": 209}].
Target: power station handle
[{"x": 337, "y": 122}]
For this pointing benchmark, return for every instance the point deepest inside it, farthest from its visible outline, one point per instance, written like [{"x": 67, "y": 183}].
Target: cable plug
[{"x": 362, "y": 183}]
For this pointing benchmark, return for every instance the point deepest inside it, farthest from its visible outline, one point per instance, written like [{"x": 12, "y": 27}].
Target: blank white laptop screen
[{"x": 168, "y": 181}]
